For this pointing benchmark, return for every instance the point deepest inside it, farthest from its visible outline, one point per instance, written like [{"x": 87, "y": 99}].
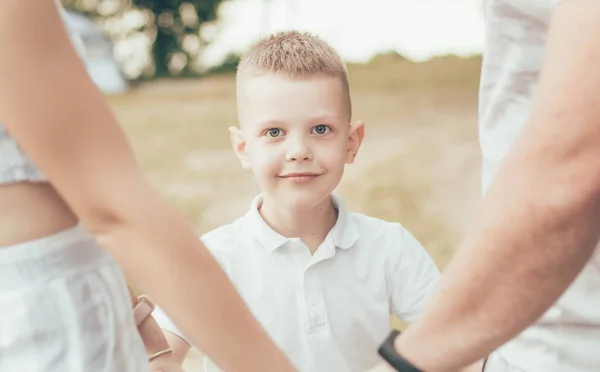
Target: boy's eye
[
  {"x": 321, "y": 129},
  {"x": 274, "y": 132}
]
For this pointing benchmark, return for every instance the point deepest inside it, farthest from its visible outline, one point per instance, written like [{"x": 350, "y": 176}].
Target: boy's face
[{"x": 295, "y": 135}]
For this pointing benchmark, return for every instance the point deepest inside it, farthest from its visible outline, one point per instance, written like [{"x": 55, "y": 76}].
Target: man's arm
[
  {"x": 413, "y": 280},
  {"x": 538, "y": 224}
]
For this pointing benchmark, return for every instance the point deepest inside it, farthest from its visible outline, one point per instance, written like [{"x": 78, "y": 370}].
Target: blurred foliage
[
  {"x": 174, "y": 28},
  {"x": 228, "y": 66}
]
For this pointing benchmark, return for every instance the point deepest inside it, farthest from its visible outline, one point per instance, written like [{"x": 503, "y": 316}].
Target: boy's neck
[{"x": 310, "y": 225}]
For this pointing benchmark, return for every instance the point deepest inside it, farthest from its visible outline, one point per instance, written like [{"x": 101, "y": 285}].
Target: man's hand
[{"x": 384, "y": 367}]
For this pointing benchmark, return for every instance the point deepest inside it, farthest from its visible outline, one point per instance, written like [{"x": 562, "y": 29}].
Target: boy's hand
[{"x": 179, "y": 345}]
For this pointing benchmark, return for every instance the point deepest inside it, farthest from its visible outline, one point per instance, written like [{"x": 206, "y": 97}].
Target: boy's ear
[
  {"x": 239, "y": 146},
  {"x": 355, "y": 138}
]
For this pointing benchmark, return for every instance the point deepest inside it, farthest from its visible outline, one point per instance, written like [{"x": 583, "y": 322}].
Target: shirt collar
[{"x": 343, "y": 234}]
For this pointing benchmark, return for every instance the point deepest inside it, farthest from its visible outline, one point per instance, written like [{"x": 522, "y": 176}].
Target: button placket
[{"x": 314, "y": 303}]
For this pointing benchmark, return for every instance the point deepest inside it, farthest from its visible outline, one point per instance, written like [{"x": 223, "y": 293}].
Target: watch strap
[{"x": 388, "y": 352}]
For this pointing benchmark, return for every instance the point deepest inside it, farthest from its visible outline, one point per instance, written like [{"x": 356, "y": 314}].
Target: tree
[
  {"x": 176, "y": 25},
  {"x": 173, "y": 25}
]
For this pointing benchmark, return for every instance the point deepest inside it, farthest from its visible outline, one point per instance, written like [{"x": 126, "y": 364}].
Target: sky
[{"x": 357, "y": 29}]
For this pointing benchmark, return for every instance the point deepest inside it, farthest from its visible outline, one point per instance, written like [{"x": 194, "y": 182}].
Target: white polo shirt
[{"x": 329, "y": 311}]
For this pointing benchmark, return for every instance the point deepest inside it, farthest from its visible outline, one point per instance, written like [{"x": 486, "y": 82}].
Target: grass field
[{"x": 419, "y": 163}]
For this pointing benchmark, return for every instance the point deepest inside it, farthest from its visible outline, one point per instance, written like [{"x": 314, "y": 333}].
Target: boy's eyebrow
[
  {"x": 319, "y": 119},
  {"x": 272, "y": 123},
  {"x": 325, "y": 118}
]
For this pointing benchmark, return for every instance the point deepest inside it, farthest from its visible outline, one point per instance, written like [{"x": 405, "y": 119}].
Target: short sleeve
[
  {"x": 166, "y": 323},
  {"x": 413, "y": 276}
]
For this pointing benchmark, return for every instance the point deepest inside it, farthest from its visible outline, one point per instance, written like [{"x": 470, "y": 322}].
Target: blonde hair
[{"x": 296, "y": 54}]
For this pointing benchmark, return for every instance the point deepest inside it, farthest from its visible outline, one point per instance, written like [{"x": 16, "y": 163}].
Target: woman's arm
[{"x": 52, "y": 109}]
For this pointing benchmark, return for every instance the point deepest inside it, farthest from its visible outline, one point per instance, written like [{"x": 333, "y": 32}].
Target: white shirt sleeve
[
  {"x": 166, "y": 323},
  {"x": 413, "y": 276}
]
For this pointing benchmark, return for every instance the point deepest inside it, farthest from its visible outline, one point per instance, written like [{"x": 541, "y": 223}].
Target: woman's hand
[{"x": 154, "y": 339}]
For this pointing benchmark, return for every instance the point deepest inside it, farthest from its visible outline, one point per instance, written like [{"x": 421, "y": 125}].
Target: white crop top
[{"x": 15, "y": 166}]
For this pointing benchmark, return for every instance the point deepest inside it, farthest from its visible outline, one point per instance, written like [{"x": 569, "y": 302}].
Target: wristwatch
[{"x": 388, "y": 352}]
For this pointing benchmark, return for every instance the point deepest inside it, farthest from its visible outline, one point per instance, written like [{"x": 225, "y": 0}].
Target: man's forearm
[
  {"x": 534, "y": 235},
  {"x": 539, "y": 222}
]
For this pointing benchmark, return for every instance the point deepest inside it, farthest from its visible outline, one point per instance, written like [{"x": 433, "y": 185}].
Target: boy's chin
[{"x": 306, "y": 200}]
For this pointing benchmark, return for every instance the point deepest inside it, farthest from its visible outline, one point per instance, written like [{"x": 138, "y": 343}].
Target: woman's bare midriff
[{"x": 30, "y": 211}]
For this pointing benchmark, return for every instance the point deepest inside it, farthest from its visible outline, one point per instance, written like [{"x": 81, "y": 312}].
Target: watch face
[{"x": 389, "y": 353}]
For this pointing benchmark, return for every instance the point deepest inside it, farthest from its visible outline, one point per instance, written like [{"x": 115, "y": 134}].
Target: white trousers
[{"x": 64, "y": 307}]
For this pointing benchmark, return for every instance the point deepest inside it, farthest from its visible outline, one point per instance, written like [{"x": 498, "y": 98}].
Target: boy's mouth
[{"x": 300, "y": 176}]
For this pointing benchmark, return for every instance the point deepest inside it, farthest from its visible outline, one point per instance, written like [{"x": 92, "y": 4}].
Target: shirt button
[{"x": 312, "y": 301}]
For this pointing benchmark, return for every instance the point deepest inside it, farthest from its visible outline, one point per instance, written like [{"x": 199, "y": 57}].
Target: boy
[{"x": 321, "y": 280}]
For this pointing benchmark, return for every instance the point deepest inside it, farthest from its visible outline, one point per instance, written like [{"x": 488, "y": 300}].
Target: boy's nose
[{"x": 298, "y": 150}]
